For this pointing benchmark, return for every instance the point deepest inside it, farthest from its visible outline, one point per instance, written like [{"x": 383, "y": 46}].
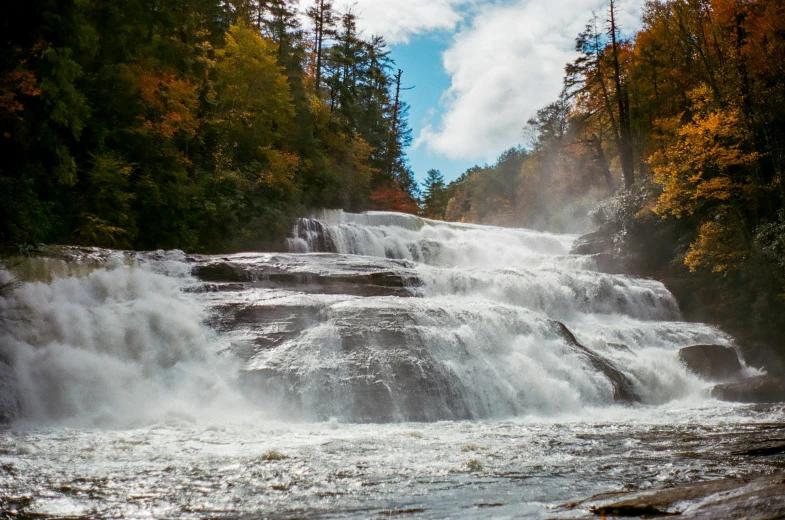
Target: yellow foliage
[
  {"x": 281, "y": 170},
  {"x": 705, "y": 160},
  {"x": 253, "y": 89},
  {"x": 97, "y": 231},
  {"x": 718, "y": 248}
]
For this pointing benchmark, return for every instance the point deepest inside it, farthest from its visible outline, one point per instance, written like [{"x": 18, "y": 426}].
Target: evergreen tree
[{"x": 434, "y": 195}]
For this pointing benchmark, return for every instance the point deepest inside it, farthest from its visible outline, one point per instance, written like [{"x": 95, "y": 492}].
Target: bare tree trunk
[
  {"x": 394, "y": 126},
  {"x": 623, "y": 100},
  {"x": 319, "y": 43},
  {"x": 602, "y": 160}
]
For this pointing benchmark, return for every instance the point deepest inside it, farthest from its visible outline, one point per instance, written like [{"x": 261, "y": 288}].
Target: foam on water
[
  {"x": 116, "y": 346},
  {"x": 394, "y": 235},
  {"x": 372, "y": 318},
  {"x": 440, "y": 322}
]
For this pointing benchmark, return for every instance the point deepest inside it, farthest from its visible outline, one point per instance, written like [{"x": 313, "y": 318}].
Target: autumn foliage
[
  {"x": 702, "y": 86},
  {"x": 393, "y": 198},
  {"x": 201, "y": 125}
]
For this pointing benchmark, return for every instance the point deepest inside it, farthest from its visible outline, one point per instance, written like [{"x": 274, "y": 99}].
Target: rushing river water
[{"x": 385, "y": 365}]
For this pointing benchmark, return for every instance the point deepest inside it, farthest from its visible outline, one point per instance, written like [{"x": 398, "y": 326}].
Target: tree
[
  {"x": 596, "y": 80},
  {"x": 392, "y": 198},
  {"x": 434, "y": 195},
  {"x": 705, "y": 174},
  {"x": 322, "y": 17},
  {"x": 623, "y": 103}
]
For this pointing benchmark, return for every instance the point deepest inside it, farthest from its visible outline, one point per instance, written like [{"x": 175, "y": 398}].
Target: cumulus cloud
[
  {"x": 507, "y": 63},
  {"x": 399, "y": 20}
]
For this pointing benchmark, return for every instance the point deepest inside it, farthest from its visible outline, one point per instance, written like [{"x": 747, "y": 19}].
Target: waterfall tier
[{"x": 378, "y": 317}]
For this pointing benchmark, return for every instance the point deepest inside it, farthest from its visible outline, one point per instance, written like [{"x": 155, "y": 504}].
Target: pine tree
[
  {"x": 322, "y": 17},
  {"x": 434, "y": 195}
]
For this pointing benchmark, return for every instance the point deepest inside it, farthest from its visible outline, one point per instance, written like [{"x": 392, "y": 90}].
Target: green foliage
[
  {"x": 24, "y": 218},
  {"x": 434, "y": 199},
  {"x": 193, "y": 124}
]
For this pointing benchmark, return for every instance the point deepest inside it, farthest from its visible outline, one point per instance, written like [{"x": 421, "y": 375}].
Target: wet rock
[
  {"x": 385, "y": 374},
  {"x": 623, "y": 388},
  {"x": 592, "y": 244},
  {"x": 315, "y": 274},
  {"x": 608, "y": 263},
  {"x": 631, "y": 510},
  {"x": 762, "y": 451},
  {"x": 761, "y": 389},
  {"x": 316, "y": 234},
  {"x": 712, "y": 362},
  {"x": 757, "y": 497}
]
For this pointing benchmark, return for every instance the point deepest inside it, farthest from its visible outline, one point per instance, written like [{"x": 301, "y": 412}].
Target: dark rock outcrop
[
  {"x": 623, "y": 388},
  {"x": 757, "y": 497},
  {"x": 761, "y": 389},
  {"x": 712, "y": 362},
  {"x": 762, "y": 451},
  {"x": 320, "y": 274},
  {"x": 599, "y": 245},
  {"x": 592, "y": 244}
]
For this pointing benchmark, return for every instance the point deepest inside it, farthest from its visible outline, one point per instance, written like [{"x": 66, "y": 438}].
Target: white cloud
[
  {"x": 398, "y": 20},
  {"x": 505, "y": 65}
]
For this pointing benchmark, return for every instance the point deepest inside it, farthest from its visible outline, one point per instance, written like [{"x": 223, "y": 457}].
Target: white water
[
  {"x": 118, "y": 346},
  {"x": 488, "y": 296},
  {"x": 128, "y": 342},
  {"x": 160, "y": 385}
]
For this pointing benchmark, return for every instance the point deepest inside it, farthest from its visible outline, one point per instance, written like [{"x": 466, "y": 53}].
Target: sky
[{"x": 480, "y": 68}]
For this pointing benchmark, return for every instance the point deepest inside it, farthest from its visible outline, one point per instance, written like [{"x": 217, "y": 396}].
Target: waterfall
[
  {"x": 378, "y": 317},
  {"x": 118, "y": 345}
]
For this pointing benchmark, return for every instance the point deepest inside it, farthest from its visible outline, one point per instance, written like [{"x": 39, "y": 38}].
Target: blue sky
[
  {"x": 421, "y": 61},
  {"x": 481, "y": 68}
]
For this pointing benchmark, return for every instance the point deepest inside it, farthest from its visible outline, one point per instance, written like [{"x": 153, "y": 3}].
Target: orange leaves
[
  {"x": 170, "y": 103},
  {"x": 19, "y": 83},
  {"x": 757, "y": 30},
  {"x": 14, "y": 85},
  {"x": 393, "y": 198}
]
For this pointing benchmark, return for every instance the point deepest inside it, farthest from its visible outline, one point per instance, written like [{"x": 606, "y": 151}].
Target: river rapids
[{"x": 385, "y": 364}]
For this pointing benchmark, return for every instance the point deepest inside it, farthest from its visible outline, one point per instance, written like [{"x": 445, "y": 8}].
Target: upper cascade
[{"x": 408, "y": 237}]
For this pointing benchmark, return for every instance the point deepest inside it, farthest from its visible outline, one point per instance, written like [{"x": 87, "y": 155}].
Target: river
[{"x": 386, "y": 364}]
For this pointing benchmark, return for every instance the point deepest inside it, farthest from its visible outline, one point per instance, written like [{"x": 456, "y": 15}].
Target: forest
[
  {"x": 210, "y": 126},
  {"x": 203, "y": 125},
  {"x": 672, "y": 140}
]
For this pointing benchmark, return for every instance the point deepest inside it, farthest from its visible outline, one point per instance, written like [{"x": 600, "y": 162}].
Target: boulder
[
  {"x": 761, "y": 389},
  {"x": 592, "y": 244},
  {"x": 712, "y": 362}
]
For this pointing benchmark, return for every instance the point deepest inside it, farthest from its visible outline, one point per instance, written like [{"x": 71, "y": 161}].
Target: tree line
[
  {"x": 673, "y": 139},
  {"x": 205, "y": 125}
]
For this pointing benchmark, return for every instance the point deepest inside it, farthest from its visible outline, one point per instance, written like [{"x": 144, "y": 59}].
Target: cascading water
[
  {"x": 286, "y": 384},
  {"x": 482, "y": 339},
  {"x": 373, "y": 318}
]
